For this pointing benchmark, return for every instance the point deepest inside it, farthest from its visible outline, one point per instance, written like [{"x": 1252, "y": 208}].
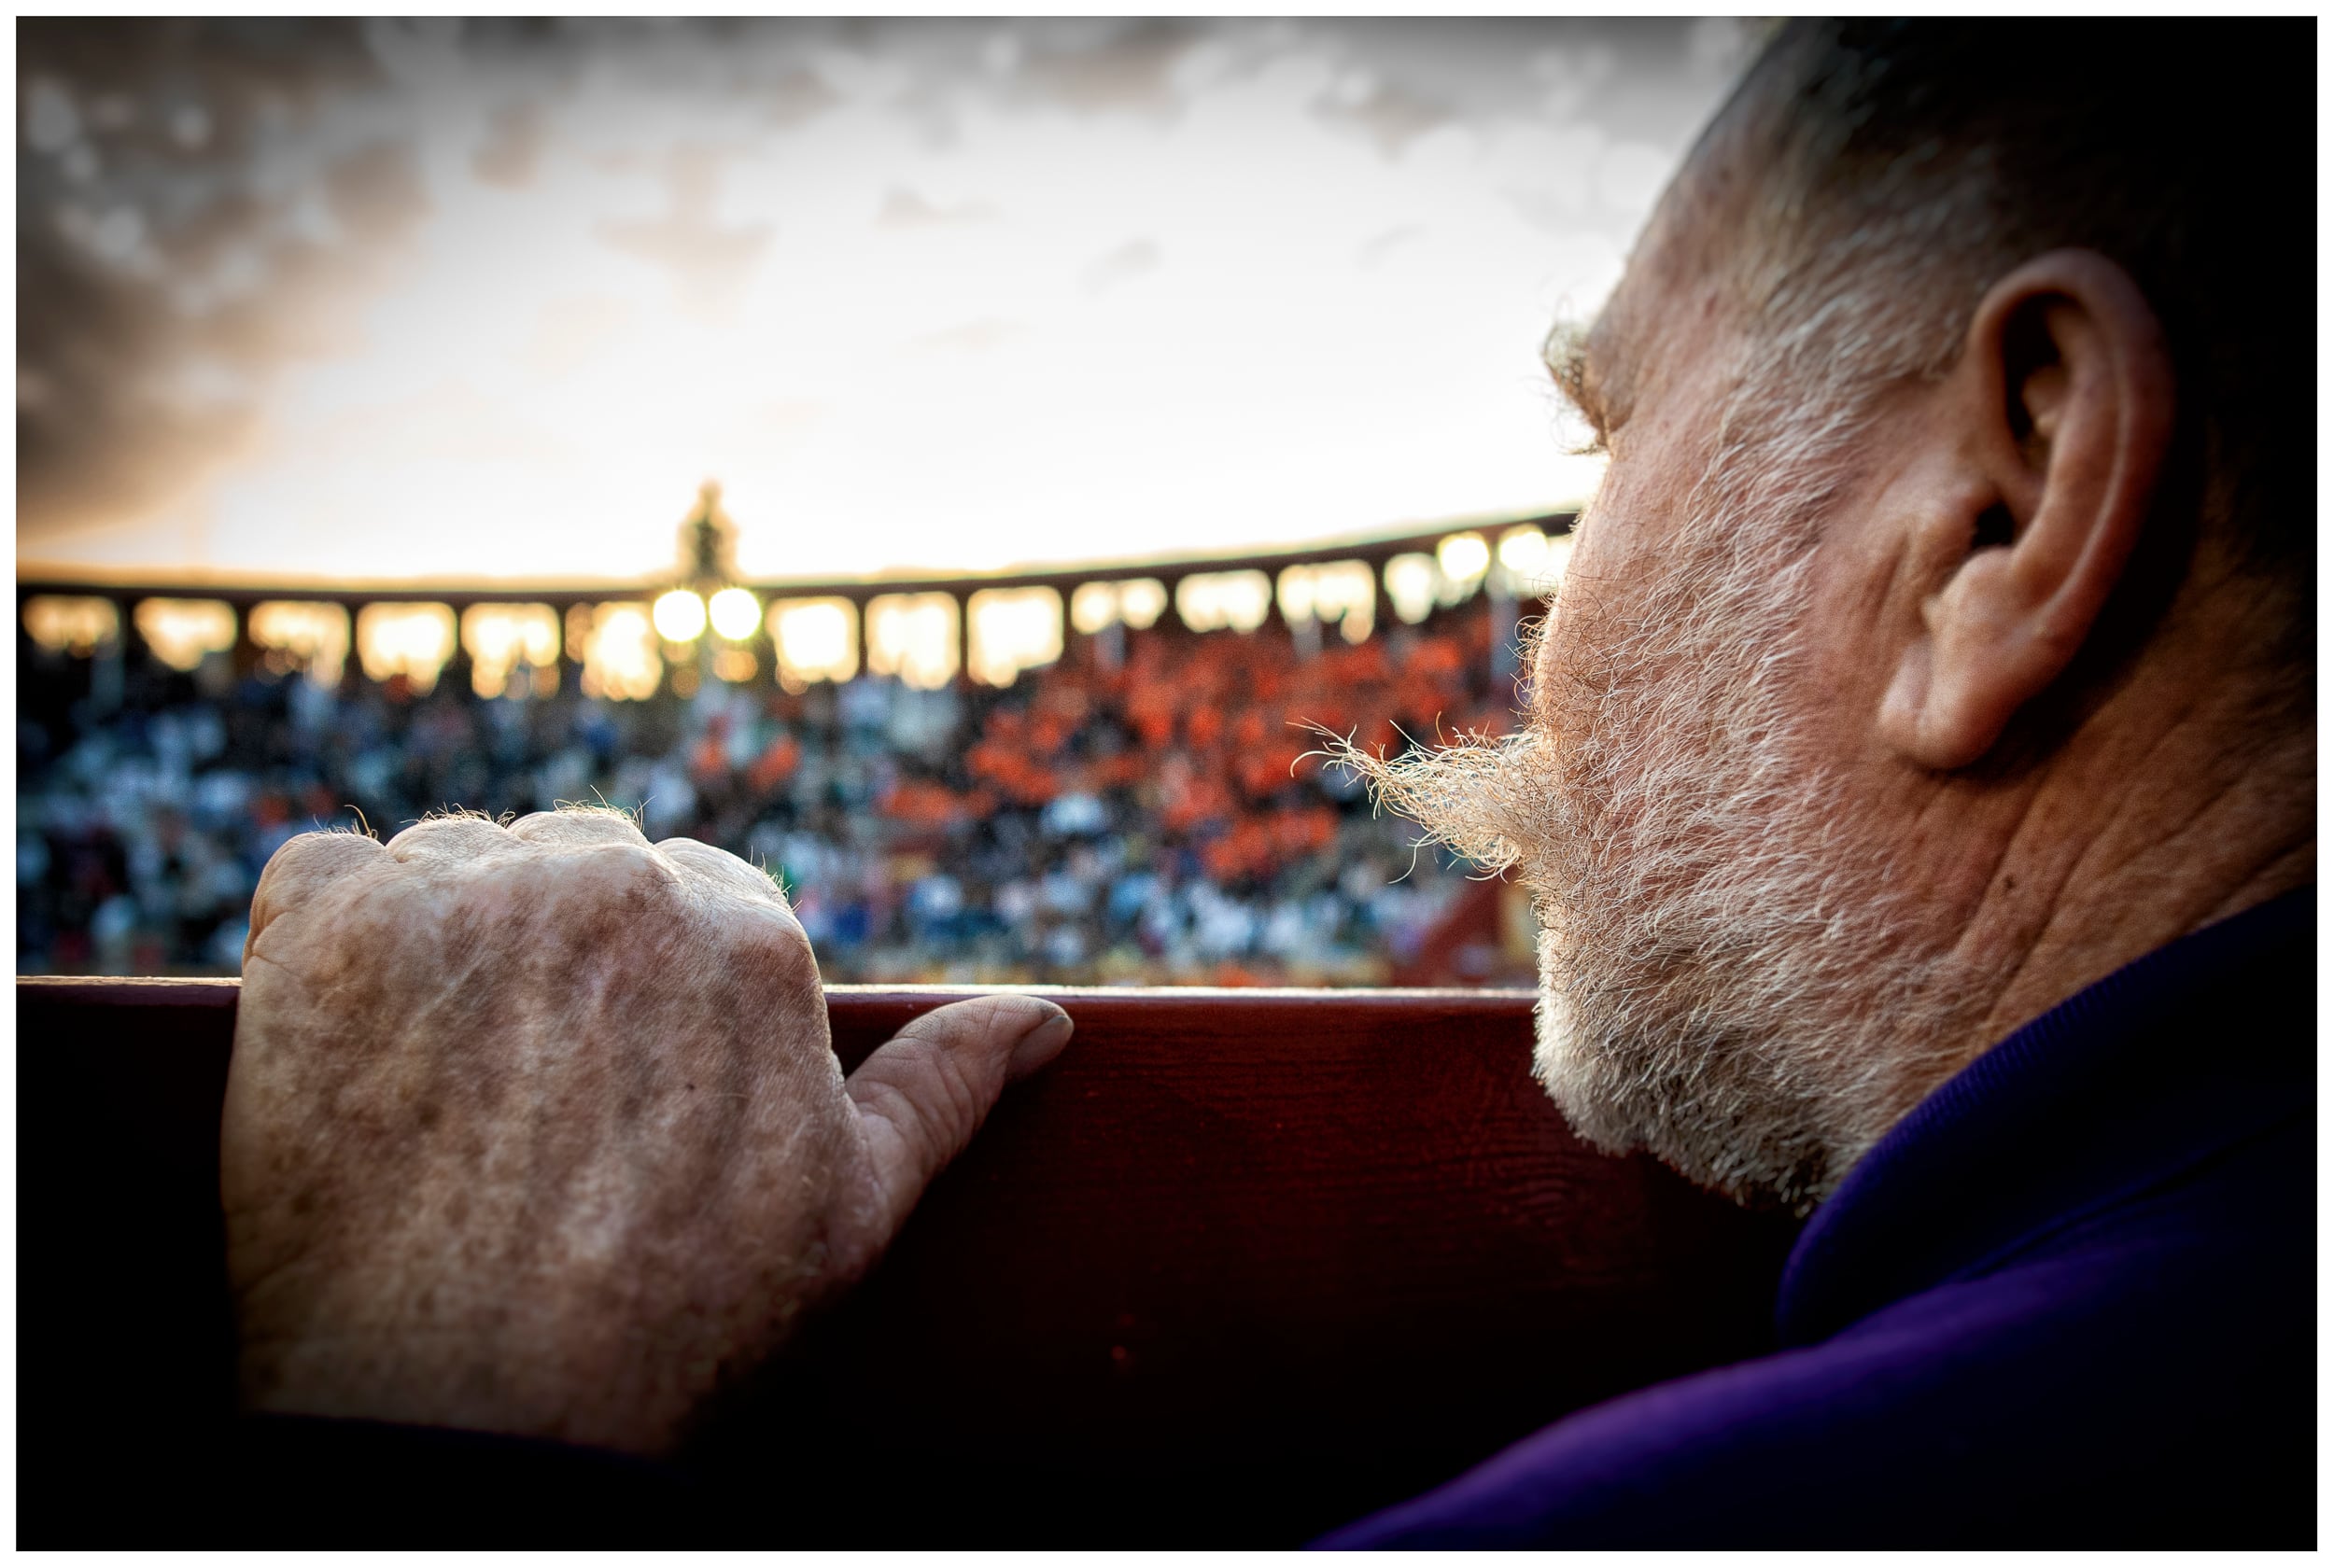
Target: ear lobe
[{"x": 2063, "y": 407}]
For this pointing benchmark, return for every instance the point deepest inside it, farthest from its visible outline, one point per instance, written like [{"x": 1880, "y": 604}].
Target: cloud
[
  {"x": 90, "y": 438},
  {"x": 141, "y": 215},
  {"x": 1631, "y": 174},
  {"x": 787, "y": 424},
  {"x": 1376, "y": 248},
  {"x": 1129, "y": 66},
  {"x": 376, "y": 195},
  {"x": 796, "y": 98},
  {"x": 974, "y": 336},
  {"x": 903, "y": 208},
  {"x": 710, "y": 264},
  {"x": 570, "y": 333},
  {"x": 1129, "y": 261},
  {"x": 1389, "y": 115},
  {"x": 512, "y": 148},
  {"x": 1717, "y": 48},
  {"x": 1572, "y": 76},
  {"x": 210, "y": 209}
]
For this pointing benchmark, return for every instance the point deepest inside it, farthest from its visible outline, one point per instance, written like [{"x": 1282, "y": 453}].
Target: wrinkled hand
[{"x": 538, "y": 1130}]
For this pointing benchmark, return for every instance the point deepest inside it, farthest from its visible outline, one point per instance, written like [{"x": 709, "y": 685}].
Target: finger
[
  {"x": 721, "y": 869},
  {"x": 306, "y": 863},
  {"x": 577, "y": 826},
  {"x": 922, "y": 1095}
]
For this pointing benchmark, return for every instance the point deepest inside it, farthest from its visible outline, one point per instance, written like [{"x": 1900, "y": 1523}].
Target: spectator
[{"x": 1150, "y": 817}]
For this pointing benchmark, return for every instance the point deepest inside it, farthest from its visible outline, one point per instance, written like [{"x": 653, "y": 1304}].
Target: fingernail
[{"x": 1040, "y": 1045}]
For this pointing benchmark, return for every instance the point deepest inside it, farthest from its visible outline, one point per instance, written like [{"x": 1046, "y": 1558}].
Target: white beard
[{"x": 1729, "y": 977}]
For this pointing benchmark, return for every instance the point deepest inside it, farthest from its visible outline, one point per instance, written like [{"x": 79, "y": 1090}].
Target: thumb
[{"x": 922, "y": 1094}]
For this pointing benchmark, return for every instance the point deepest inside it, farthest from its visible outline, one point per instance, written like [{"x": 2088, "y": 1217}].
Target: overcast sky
[{"x": 378, "y": 301}]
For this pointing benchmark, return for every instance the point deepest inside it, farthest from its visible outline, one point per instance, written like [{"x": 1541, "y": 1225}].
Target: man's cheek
[
  {"x": 1561, "y": 664},
  {"x": 1559, "y": 624}
]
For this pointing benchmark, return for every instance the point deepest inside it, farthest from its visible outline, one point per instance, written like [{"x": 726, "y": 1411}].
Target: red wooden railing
[{"x": 1239, "y": 1266}]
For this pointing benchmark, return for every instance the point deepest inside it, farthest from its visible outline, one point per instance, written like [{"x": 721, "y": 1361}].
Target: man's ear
[{"x": 2062, "y": 402}]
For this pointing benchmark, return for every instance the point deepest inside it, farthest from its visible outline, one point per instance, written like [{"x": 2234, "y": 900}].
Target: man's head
[{"x": 1949, "y": 435}]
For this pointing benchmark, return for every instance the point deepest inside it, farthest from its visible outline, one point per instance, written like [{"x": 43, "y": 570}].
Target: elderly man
[{"x": 1920, "y": 804}]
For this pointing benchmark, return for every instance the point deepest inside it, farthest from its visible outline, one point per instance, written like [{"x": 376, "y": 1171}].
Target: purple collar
[{"x": 2160, "y": 1065}]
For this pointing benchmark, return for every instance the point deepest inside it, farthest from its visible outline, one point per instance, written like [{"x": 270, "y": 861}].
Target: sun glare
[
  {"x": 182, "y": 631},
  {"x": 413, "y": 640},
  {"x": 736, "y": 613},
  {"x": 1462, "y": 559},
  {"x": 1410, "y": 580},
  {"x": 1137, "y": 602},
  {"x": 914, "y": 637},
  {"x": 312, "y": 636},
  {"x": 816, "y": 640},
  {"x": 621, "y": 660},
  {"x": 1013, "y": 629},
  {"x": 500, "y": 637},
  {"x": 1206, "y": 601},
  {"x": 1340, "y": 592},
  {"x": 61, "y": 623},
  {"x": 680, "y": 616}
]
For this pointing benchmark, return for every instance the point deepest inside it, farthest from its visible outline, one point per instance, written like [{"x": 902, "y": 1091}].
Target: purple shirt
[{"x": 2068, "y": 1300}]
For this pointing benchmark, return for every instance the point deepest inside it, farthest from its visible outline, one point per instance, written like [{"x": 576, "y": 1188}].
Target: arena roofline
[{"x": 1377, "y": 549}]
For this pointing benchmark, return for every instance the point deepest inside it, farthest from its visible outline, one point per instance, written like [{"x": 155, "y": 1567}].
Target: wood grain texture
[{"x": 1239, "y": 1266}]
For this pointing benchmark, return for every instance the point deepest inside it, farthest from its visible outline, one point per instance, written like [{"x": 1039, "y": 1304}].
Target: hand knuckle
[
  {"x": 623, "y": 874},
  {"x": 296, "y": 849},
  {"x": 775, "y": 938}
]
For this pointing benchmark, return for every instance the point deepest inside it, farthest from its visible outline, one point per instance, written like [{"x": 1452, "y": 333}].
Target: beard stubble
[{"x": 1731, "y": 976}]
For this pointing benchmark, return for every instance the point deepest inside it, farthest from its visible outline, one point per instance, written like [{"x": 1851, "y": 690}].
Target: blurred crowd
[{"x": 1141, "y": 811}]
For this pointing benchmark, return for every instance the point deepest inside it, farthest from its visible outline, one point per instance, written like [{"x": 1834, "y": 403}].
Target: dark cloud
[
  {"x": 514, "y": 146},
  {"x": 201, "y": 203},
  {"x": 377, "y": 194},
  {"x": 134, "y": 193},
  {"x": 797, "y": 97},
  {"x": 1122, "y": 65},
  {"x": 91, "y": 436},
  {"x": 1641, "y": 79}
]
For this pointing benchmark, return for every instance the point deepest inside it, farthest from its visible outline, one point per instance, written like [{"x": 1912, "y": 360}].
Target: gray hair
[{"x": 1904, "y": 165}]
